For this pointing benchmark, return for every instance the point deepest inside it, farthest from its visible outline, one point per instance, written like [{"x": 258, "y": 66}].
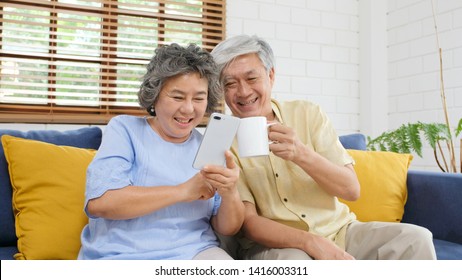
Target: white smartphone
[{"x": 218, "y": 137}]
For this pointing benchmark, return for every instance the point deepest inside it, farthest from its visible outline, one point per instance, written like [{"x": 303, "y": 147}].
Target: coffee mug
[{"x": 252, "y": 137}]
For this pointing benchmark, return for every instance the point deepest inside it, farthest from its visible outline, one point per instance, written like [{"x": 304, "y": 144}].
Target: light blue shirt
[{"x": 131, "y": 153}]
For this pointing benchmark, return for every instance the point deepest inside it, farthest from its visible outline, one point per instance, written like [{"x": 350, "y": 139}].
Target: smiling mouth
[
  {"x": 250, "y": 102},
  {"x": 183, "y": 121}
]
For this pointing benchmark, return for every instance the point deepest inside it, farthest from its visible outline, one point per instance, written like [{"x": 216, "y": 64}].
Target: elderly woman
[{"x": 143, "y": 198}]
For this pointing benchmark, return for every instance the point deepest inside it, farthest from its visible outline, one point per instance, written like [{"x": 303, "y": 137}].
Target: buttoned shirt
[{"x": 283, "y": 192}]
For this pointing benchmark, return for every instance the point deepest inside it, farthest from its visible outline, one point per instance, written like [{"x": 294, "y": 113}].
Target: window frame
[{"x": 212, "y": 21}]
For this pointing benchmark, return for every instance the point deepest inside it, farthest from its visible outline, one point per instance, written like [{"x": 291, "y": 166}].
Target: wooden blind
[{"x": 81, "y": 61}]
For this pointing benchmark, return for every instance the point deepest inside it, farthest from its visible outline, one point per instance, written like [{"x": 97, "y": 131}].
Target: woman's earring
[{"x": 151, "y": 111}]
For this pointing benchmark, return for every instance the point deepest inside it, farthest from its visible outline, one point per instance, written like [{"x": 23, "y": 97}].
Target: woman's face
[{"x": 181, "y": 106}]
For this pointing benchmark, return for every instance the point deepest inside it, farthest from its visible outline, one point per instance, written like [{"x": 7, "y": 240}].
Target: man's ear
[{"x": 271, "y": 75}]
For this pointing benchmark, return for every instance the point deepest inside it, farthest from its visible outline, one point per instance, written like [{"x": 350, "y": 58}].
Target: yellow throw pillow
[
  {"x": 48, "y": 196},
  {"x": 382, "y": 176}
]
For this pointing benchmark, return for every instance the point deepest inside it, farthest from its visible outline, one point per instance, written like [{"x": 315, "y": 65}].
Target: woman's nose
[{"x": 187, "y": 106}]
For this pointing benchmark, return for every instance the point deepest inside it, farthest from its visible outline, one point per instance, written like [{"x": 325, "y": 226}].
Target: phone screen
[{"x": 218, "y": 137}]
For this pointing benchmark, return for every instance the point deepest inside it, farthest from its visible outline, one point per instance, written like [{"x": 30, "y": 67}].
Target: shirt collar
[{"x": 277, "y": 110}]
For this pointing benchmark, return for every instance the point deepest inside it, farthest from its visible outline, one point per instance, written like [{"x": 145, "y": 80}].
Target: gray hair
[
  {"x": 172, "y": 60},
  {"x": 229, "y": 49}
]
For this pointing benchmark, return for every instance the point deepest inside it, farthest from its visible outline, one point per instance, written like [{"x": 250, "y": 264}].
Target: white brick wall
[
  {"x": 414, "y": 84},
  {"x": 316, "y": 44},
  {"x": 318, "y": 55},
  {"x": 317, "y": 47}
]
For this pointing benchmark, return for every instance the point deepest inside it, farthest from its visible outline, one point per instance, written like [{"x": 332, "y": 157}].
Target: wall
[
  {"x": 316, "y": 44},
  {"x": 413, "y": 65},
  {"x": 372, "y": 65}
]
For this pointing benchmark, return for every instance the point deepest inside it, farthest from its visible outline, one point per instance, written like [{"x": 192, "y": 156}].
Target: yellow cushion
[
  {"x": 382, "y": 176},
  {"x": 48, "y": 196}
]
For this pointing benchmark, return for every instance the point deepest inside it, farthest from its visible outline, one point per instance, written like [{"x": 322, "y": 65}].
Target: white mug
[{"x": 252, "y": 137}]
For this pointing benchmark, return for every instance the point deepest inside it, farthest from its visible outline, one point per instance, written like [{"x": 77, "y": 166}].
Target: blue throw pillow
[
  {"x": 87, "y": 137},
  {"x": 354, "y": 141}
]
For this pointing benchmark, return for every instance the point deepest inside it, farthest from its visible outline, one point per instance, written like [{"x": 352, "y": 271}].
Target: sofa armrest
[{"x": 435, "y": 202}]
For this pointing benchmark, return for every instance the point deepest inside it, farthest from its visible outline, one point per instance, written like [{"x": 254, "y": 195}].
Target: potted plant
[{"x": 409, "y": 137}]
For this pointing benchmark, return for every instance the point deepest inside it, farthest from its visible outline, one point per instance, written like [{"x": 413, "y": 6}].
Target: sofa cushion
[
  {"x": 382, "y": 176},
  {"x": 7, "y": 252},
  {"x": 435, "y": 202},
  {"x": 48, "y": 196},
  {"x": 87, "y": 137},
  {"x": 446, "y": 250},
  {"x": 355, "y": 141}
]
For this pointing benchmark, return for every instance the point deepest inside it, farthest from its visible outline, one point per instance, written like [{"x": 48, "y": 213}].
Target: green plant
[{"x": 408, "y": 138}]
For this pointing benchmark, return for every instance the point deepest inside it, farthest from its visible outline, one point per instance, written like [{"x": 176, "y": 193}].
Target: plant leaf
[
  {"x": 407, "y": 137},
  {"x": 434, "y": 132},
  {"x": 413, "y": 130},
  {"x": 459, "y": 128}
]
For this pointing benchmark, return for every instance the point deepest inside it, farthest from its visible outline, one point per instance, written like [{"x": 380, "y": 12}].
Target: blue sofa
[
  {"x": 83, "y": 138},
  {"x": 434, "y": 199}
]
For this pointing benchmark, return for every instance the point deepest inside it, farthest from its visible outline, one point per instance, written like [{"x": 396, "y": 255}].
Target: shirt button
[
  {"x": 303, "y": 215},
  {"x": 277, "y": 175},
  {"x": 285, "y": 200}
]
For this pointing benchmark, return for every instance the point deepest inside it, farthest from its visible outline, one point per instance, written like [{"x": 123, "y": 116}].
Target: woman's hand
[
  {"x": 213, "y": 178},
  {"x": 197, "y": 188},
  {"x": 223, "y": 179},
  {"x": 230, "y": 215}
]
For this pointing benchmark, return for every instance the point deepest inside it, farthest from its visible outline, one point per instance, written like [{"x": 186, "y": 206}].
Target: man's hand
[
  {"x": 285, "y": 142},
  {"x": 321, "y": 248}
]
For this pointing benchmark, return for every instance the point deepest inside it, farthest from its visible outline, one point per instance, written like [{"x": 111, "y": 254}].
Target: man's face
[{"x": 248, "y": 87}]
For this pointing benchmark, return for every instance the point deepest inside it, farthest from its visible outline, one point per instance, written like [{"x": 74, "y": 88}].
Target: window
[{"x": 81, "y": 61}]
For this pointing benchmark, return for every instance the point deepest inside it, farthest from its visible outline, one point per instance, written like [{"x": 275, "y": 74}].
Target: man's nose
[{"x": 244, "y": 89}]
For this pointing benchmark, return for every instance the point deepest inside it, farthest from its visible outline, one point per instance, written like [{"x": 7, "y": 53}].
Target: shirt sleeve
[
  {"x": 111, "y": 168},
  {"x": 242, "y": 186},
  {"x": 325, "y": 139},
  {"x": 216, "y": 203}
]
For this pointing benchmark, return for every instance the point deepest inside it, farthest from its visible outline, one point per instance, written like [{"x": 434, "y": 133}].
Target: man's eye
[
  {"x": 230, "y": 85},
  {"x": 178, "y": 97},
  {"x": 199, "y": 99}
]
